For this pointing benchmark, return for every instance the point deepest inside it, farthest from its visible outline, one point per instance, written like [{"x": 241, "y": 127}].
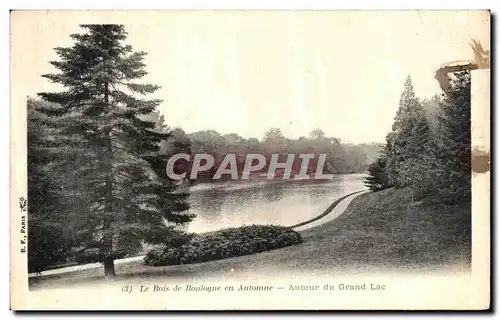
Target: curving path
[
  {"x": 332, "y": 212},
  {"x": 312, "y": 222}
]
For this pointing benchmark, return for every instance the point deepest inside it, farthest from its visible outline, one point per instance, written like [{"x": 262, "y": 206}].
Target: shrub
[
  {"x": 377, "y": 179},
  {"x": 222, "y": 244}
]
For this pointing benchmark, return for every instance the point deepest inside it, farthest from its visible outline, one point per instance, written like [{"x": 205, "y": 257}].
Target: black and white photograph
[{"x": 250, "y": 160}]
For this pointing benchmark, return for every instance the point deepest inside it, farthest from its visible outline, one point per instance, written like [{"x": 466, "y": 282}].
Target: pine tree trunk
[{"x": 109, "y": 267}]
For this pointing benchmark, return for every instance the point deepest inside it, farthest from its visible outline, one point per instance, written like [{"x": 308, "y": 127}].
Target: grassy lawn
[
  {"x": 378, "y": 231},
  {"x": 386, "y": 229}
]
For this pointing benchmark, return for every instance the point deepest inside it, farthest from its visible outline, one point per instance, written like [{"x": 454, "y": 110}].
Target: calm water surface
[{"x": 233, "y": 204}]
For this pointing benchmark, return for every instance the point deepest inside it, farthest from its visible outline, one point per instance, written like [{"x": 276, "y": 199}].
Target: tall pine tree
[
  {"x": 409, "y": 136},
  {"x": 452, "y": 141},
  {"x": 120, "y": 195}
]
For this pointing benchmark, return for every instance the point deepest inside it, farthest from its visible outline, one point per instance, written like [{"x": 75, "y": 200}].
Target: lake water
[{"x": 233, "y": 204}]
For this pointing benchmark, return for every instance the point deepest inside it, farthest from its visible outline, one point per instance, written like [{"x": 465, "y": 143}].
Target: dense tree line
[
  {"x": 429, "y": 147},
  {"x": 340, "y": 157}
]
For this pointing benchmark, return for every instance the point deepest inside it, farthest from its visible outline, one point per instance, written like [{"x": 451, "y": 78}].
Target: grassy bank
[
  {"x": 378, "y": 231},
  {"x": 386, "y": 228}
]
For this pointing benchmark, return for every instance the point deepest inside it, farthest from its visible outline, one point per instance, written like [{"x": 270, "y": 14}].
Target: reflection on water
[{"x": 233, "y": 204}]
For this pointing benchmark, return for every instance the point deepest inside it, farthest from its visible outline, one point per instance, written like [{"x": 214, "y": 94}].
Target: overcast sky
[{"x": 245, "y": 72}]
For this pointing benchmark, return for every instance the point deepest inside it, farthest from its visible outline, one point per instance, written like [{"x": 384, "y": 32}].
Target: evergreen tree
[
  {"x": 377, "y": 179},
  {"x": 123, "y": 198},
  {"x": 409, "y": 136},
  {"x": 419, "y": 175},
  {"x": 434, "y": 162},
  {"x": 49, "y": 240},
  {"x": 452, "y": 149},
  {"x": 432, "y": 107}
]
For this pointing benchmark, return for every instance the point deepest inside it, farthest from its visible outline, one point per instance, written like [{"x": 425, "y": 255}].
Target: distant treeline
[{"x": 340, "y": 157}]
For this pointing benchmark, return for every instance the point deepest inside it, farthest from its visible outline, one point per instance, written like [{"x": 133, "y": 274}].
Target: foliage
[
  {"x": 225, "y": 243},
  {"x": 433, "y": 110},
  {"x": 49, "y": 240},
  {"x": 377, "y": 176},
  {"x": 410, "y": 133},
  {"x": 429, "y": 149},
  {"x": 443, "y": 168},
  {"x": 341, "y": 158},
  {"x": 453, "y": 142}
]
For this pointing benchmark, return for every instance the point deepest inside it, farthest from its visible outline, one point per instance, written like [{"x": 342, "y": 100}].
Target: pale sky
[{"x": 247, "y": 71}]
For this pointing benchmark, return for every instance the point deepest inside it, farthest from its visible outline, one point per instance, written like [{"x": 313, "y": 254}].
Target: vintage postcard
[{"x": 250, "y": 160}]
